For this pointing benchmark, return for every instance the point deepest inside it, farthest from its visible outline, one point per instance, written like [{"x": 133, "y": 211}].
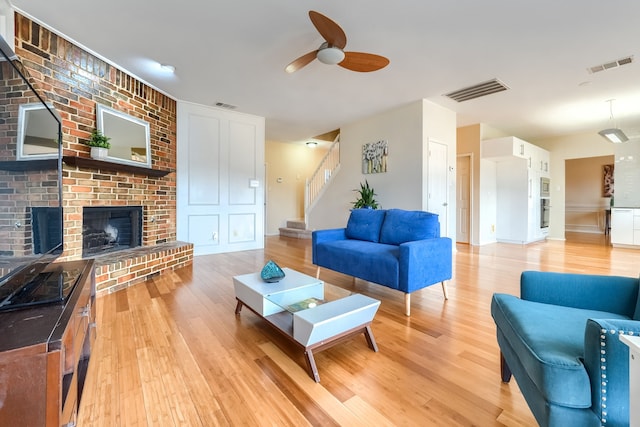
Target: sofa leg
[
  {"x": 407, "y": 304},
  {"x": 318, "y": 272},
  {"x": 444, "y": 290},
  {"x": 505, "y": 372}
]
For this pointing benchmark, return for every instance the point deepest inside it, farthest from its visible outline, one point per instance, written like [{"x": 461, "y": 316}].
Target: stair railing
[{"x": 315, "y": 185}]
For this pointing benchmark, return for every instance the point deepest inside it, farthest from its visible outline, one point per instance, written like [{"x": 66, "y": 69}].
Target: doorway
[
  {"x": 463, "y": 198},
  {"x": 438, "y": 185},
  {"x": 586, "y": 202}
]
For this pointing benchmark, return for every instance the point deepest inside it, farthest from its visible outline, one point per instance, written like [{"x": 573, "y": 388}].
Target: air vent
[
  {"x": 224, "y": 105},
  {"x": 476, "y": 91},
  {"x": 610, "y": 65}
]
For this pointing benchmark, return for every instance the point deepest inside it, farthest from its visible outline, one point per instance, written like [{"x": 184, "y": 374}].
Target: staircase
[
  {"x": 314, "y": 187},
  {"x": 296, "y": 228}
]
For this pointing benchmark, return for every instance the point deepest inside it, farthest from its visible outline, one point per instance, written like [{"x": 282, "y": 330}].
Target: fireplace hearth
[{"x": 110, "y": 229}]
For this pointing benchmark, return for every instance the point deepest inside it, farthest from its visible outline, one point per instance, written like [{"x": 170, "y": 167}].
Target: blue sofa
[
  {"x": 396, "y": 248},
  {"x": 560, "y": 341}
]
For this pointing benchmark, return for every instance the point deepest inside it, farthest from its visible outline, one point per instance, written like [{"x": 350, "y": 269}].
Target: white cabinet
[
  {"x": 625, "y": 227},
  {"x": 519, "y": 166},
  {"x": 633, "y": 342},
  {"x": 544, "y": 159},
  {"x": 540, "y": 160},
  {"x": 509, "y": 146}
]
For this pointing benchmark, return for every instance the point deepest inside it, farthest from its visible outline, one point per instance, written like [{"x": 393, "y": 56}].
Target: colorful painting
[
  {"x": 607, "y": 180},
  {"x": 374, "y": 157}
]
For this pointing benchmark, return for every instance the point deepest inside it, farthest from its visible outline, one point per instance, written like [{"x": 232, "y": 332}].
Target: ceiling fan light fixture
[
  {"x": 330, "y": 55},
  {"x": 614, "y": 135}
]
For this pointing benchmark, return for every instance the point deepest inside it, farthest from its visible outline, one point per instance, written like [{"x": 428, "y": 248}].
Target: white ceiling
[{"x": 235, "y": 52}]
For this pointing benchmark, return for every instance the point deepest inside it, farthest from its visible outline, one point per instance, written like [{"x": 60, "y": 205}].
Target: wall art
[
  {"x": 607, "y": 180},
  {"x": 374, "y": 157}
]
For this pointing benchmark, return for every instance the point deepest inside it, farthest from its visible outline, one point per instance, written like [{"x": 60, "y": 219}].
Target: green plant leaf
[
  {"x": 97, "y": 139},
  {"x": 366, "y": 197}
]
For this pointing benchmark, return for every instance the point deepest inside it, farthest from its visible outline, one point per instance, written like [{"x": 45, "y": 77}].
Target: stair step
[
  {"x": 296, "y": 223},
  {"x": 296, "y": 233}
]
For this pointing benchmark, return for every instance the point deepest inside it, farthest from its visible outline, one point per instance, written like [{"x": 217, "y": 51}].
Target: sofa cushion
[
  {"x": 402, "y": 226},
  {"x": 374, "y": 262},
  {"x": 549, "y": 342},
  {"x": 364, "y": 224}
]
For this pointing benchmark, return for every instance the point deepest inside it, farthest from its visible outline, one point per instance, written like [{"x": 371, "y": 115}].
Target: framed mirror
[
  {"x": 37, "y": 133},
  {"x": 130, "y": 136}
]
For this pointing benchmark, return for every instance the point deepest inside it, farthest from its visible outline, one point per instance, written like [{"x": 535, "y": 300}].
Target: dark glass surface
[
  {"x": 46, "y": 288},
  {"x": 30, "y": 189}
]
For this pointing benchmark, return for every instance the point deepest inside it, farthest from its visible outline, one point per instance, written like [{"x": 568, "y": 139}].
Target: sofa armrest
[
  {"x": 320, "y": 236},
  {"x": 606, "y": 359},
  {"x": 424, "y": 263},
  {"x": 613, "y": 294}
]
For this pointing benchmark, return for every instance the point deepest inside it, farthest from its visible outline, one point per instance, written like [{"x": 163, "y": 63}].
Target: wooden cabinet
[
  {"x": 625, "y": 227},
  {"x": 45, "y": 352}
]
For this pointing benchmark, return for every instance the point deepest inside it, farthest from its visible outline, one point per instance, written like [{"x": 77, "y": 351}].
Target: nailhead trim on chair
[{"x": 603, "y": 368}]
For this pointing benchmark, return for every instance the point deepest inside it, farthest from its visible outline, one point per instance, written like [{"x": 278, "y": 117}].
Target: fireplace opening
[
  {"x": 109, "y": 229},
  {"x": 46, "y": 224}
]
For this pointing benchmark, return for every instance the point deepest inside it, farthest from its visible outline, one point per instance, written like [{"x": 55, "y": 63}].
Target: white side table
[{"x": 634, "y": 377}]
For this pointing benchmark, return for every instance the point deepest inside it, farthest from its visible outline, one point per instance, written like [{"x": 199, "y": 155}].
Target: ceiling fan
[{"x": 332, "y": 50}]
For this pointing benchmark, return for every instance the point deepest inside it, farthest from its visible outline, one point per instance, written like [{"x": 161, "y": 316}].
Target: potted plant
[
  {"x": 366, "y": 197},
  {"x": 99, "y": 144}
]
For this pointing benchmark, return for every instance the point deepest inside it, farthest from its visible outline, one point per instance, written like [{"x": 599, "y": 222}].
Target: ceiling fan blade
[
  {"x": 328, "y": 29},
  {"x": 363, "y": 62},
  {"x": 301, "y": 62}
]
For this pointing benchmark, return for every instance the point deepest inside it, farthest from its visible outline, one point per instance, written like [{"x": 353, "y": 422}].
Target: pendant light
[{"x": 613, "y": 134}]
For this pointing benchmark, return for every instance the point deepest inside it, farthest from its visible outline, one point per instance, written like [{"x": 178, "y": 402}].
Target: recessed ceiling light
[{"x": 168, "y": 67}]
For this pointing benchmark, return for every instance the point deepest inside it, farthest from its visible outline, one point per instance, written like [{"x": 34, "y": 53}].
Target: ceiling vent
[
  {"x": 610, "y": 65},
  {"x": 224, "y": 105},
  {"x": 476, "y": 91}
]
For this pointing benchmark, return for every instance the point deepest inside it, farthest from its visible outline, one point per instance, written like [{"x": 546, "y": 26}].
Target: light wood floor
[{"x": 171, "y": 352}]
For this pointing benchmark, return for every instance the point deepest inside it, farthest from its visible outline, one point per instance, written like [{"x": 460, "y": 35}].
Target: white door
[
  {"x": 220, "y": 179},
  {"x": 463, "y": 198},
  {"x": 438, "y": 197}
]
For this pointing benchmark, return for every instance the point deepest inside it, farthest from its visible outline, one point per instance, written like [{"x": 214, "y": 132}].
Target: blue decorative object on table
[{"x": 271, "y": 272}]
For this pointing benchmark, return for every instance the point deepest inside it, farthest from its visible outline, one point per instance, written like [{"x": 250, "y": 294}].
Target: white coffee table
[{"x": 312, "y": 314}]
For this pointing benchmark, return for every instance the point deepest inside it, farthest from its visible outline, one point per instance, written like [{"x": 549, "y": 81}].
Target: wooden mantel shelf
[{"x": 85, "y": 162}]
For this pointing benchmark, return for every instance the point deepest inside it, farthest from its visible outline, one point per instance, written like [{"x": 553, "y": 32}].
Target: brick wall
[{"x": 73, "y": 80}]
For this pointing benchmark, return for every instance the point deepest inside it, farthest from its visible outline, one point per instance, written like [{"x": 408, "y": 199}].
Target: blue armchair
[{"x": 560, "y": 341}]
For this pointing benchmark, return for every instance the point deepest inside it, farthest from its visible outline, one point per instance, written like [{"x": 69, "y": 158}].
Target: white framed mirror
[
  {"x": 129, "y": 136},
  {"x": 37, "y": 133}
]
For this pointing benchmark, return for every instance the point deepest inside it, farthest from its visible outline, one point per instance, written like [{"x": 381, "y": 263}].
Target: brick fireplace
[{"x": 74, "y": 81}]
